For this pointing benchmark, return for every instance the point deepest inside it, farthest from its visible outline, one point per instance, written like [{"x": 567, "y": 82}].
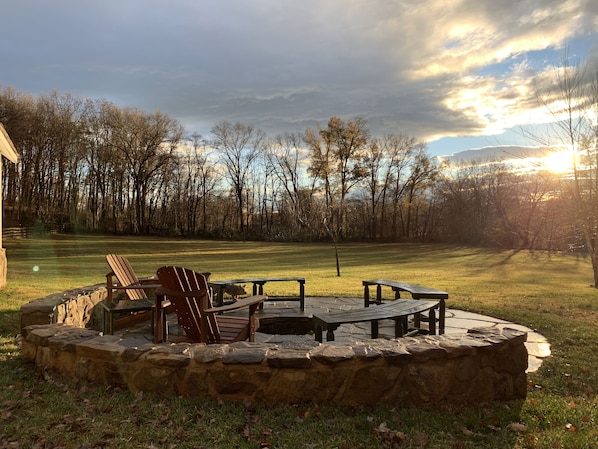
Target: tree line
[{"x": 90, "y": 166}]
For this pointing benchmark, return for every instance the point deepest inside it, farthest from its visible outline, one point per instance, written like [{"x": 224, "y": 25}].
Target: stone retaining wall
[
  {"x": 75, "y": 307},
  {"x": 483, "y": 365}
]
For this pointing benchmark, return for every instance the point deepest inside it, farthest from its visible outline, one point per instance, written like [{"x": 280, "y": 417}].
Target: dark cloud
[{"x": 284, "y": 66}]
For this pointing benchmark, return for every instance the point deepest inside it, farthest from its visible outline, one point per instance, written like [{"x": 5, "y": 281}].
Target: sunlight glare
[{"x": 559, "y": 161}]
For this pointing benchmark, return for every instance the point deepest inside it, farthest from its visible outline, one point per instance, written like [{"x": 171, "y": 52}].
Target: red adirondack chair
[{"x": 190, "y": 296}]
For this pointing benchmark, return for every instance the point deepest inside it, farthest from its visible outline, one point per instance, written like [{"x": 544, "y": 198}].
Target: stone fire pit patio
[{"x": 479, "y": 359}]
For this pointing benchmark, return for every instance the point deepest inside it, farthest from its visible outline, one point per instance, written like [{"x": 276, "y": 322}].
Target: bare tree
[
  {"x": 238, "y": 146},
  {"x": 424, "y": 172},
  {"x": 103, "y": 206},
  {"x": 203, "y": 174},
  {"x": 337, "y": 161},
  {"x": 386, "y": 164},
  {"x": 145, "y": 143},
  {"x": 288, "y": 159},
  {"x": 403, "y": 153},
  {"x": 373, "y": 163},
  {"x": 467, "y": 210},
  {"x": 17, "y": 115},
  {"x": 570, "y": 95}
]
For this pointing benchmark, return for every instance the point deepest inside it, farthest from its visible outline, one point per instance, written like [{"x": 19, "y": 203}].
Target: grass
[{"x": 550, "y": 293}]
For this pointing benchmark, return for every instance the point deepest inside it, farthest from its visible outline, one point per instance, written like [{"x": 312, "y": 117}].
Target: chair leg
[
  {"x": 164, "y": 325},
  {"x": 104, "y": 318},
  {"x": 107, "y": 322}
]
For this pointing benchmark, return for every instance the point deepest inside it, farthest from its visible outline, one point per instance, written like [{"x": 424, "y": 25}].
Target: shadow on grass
[{"x": 10, "y": 322}]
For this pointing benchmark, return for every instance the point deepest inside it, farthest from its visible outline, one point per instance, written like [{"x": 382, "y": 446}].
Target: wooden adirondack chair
[
  {"x": 137, "y": 305},
  {"x": 190, "y": 296}
]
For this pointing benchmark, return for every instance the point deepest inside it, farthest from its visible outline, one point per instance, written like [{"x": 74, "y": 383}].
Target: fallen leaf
[
  {"x": 517, "y": 427},
  {"x": 383, "y": 427},
  {"x": 531, "y": 441}
]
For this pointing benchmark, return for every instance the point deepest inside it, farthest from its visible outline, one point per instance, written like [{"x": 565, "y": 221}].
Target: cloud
[
  {"x": 428, "y": 68},
  {"x": 502, "y": 153}
]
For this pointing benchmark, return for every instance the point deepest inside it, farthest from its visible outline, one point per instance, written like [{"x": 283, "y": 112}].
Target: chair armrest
[
  {"x": 136, "y": 287},
  {"x": 241, "y": 303}
]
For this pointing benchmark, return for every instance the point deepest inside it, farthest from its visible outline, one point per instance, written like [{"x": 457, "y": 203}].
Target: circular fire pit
[
  {"x": 299, "y": 325},
  {"x": 474, "y": 367}
]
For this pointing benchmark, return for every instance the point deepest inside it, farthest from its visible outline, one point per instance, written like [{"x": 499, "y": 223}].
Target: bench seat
[
  {"x": 416, "y": 291},
  {"x": 258, "y": 288},
  {"x": 398, "y": 310}
]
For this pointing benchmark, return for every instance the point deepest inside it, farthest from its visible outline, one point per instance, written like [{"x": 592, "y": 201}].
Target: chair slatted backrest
[
  {"x": 126, "y": 276},
  {"x": 189, "y": 306}
]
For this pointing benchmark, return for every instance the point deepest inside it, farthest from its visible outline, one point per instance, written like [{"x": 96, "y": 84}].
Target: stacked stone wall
[
  {"x": 77, "y": 307},
  {"x": 482, "y": 365}
]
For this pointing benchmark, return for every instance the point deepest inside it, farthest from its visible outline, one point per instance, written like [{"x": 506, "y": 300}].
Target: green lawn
[{"x": 549, "y": 293}]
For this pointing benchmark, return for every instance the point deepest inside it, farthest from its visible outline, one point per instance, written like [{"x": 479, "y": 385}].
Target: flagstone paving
[{"x": 457, "y": 321}]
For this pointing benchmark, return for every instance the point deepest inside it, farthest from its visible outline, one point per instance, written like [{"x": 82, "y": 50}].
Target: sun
[{"x": 560, "y": 161}]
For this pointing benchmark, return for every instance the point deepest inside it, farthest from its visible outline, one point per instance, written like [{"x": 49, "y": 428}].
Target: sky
[{"x": 457, "y": 74}]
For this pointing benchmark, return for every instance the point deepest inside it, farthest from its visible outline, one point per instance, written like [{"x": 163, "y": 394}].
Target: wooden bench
[
  {"x": 416, "y": 291},
  {"x": 258, "y": 288},
  {"x": 398, "y": 310}
]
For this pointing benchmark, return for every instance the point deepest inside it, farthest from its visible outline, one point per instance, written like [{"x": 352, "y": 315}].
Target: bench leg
[
  {"x": 318, "y": 332},
  {"x": 220, "y": 296},
  {"x": 398, "y": 327},
  {"x": 432, "y": 321},
  {"x": 366, "y": 295},
  {"x": 330, "y": 334},
  {"x": 441, "y": 317},
  {"x": 302, "y": 296},
  {"x": 417, "y": 320},
  {"x": 319, "y": 326},
  {"x": 375, "y": 328},
  {"x": 397, "y": 293}
]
